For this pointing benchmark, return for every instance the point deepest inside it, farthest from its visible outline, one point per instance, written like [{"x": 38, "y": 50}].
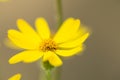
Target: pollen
[{"x": 48, "y": 45}]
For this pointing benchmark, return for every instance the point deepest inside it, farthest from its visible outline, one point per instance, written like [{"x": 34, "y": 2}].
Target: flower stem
[
  {"x": 59, "y": 19},
  {"x": 48, "y": 75},
  {"x": 59, "y": 13},
  {"x": 47, "y": 68}
]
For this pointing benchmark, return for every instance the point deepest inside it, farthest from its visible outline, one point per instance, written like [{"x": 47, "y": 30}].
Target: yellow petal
[
  {"x": 47, "y": 55},
  {"x": 15, "y": 77},
  {"x": 22, "y": 40},
  {"x": 69, "y": 52},
  {"x": 10, "y": 44},
  {"x": 76, "y": 42},
  {"x": 67, "y": 30},
  {"x": 54, "y": 60},
  {"x": 26, "y": 29},
  {"x": 42, "y": 28},
  {"x": 26, "y": 56}
]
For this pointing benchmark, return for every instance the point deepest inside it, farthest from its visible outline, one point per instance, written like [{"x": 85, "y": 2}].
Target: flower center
[{"x": 48, "y": 45}]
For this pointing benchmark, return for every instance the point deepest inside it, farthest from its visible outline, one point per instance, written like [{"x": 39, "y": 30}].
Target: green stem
[
  {"x": 48, "y": 71},
  {"x": 48, "y": 75},
  {"x": 59, "y": 13},
  {"x": 59, "y": 17}
]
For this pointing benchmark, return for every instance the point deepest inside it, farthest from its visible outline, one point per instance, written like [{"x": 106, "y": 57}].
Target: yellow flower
[
  {"x": 67, "y": 42},
  {"x": 3, "y": 0},
  {"x": 15, "y": 77}
]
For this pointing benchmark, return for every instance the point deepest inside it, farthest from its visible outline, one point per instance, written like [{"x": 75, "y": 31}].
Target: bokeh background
[{"x": 101, "y": 59}]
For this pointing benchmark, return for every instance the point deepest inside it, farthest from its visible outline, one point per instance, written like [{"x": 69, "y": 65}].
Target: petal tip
[
  {"x": 40, "y": 18},
  {"x": 11, "y": 62},
  {"x": 20, "y": 19},
  {"x": 58, "y": 65},
  {"x": 16, "y": 77}
]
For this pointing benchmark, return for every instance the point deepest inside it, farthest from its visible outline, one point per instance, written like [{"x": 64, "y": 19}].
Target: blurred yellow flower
[
  {"x": 67, "y": 42},
  {"x": 3, "y": 0},
  {"x": 15, "y": 77}
]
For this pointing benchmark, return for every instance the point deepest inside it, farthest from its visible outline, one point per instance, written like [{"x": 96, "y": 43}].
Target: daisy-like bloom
[
  {"x": 67, "y": 42},
  {"x": 15, "y": 77}
]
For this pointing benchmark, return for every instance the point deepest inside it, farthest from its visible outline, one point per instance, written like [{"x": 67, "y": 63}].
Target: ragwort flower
[
  {"x": 15, "y": 77},
  {"x": 67, "y": 42}
]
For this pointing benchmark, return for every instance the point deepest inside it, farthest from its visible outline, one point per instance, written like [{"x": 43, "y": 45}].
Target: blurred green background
[{"x": 101, "y": 59}]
